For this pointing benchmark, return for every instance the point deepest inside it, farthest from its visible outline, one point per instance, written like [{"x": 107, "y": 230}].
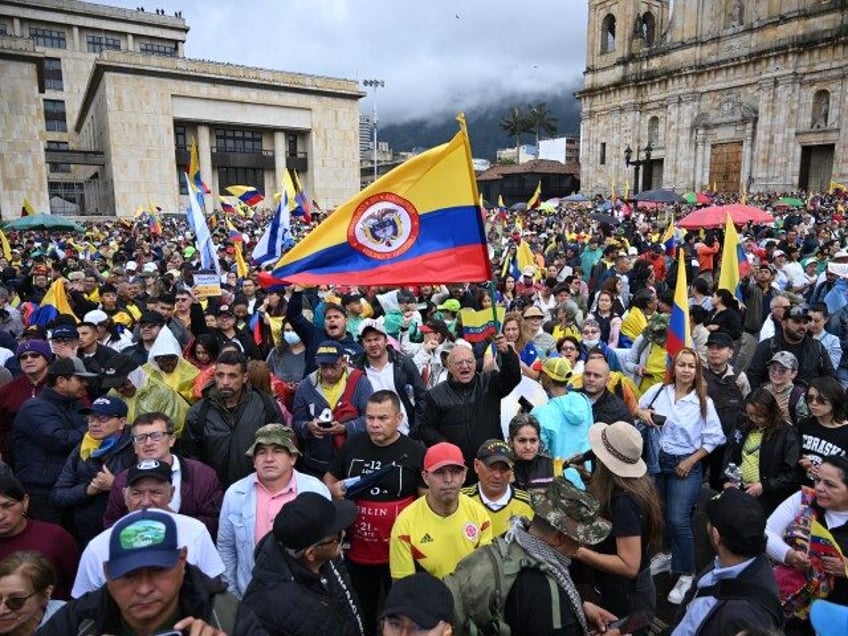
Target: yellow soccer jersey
[
  {"x": 518, "y": 505},
  {"x": 422, "y": 540}
]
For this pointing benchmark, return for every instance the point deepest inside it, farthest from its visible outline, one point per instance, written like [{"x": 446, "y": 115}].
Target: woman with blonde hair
[
  {"x": 682, "y": 426},
  {"x": 519, "y": 335}
]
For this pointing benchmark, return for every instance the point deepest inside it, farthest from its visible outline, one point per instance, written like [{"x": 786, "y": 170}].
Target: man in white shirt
[
  {"x": 149, "y": 486},
  {"x": 251, "y": 504}
]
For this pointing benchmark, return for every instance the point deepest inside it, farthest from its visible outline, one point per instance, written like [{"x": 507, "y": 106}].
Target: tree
[
  {"x": 516, "y": 124},
  {"x": 541, "y": 121}
]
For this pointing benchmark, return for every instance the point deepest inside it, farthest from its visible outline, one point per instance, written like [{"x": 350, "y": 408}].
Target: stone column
[
  {"x": 748, "y": 153},
  {"x": 130, "y": 42},
  {"x": 180, "y": 49},
  {"x": 16, "y": 27},
  {"x": 204, "y": 156},
  {"x": 76, "y": 38}
]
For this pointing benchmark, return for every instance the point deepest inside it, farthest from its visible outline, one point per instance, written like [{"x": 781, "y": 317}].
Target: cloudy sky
[{"x": 433, "y": 56}]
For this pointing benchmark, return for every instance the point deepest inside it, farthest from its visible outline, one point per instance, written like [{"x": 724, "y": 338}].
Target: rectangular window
[
  {"x": 3, "y": 28},
  {"x": 53, "y": 74},
  {"x": 227, "y": 177},
  {"x": 181, "y": 170},
  {"x": 180, "y": 137},
  {"x": 58, "y": 145},
  {"x": 97, "y": 43},
  {"x": 603, "y": 157},
  {"x": 54, "y": 115},
  {"x": 48, "y": 37},
  {"x": 242, "y": 141},
  {"x": 162, "y": 50},
  {"x": 291, "y": 145}
]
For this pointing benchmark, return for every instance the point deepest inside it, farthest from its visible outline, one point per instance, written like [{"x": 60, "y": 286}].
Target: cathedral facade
[{"x": 729, "y": 95}]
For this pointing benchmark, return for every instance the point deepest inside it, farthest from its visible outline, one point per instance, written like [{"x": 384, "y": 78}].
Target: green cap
[
  {"x": 572, "y": 511},
  {"x": 451, "y": 304},
  {"x": 274, "y": 434}
]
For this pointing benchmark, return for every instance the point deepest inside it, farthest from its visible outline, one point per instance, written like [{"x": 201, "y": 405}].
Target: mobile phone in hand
[{"x": 632, "y": 623}]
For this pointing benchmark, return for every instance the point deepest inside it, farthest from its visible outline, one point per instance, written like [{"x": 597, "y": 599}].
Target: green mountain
[{"x": 483, "y": 124}]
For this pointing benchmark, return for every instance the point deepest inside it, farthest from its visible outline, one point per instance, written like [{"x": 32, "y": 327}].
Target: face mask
[
  {"x": 291, "y": 337},
  {"x": 590, "y": 344}
]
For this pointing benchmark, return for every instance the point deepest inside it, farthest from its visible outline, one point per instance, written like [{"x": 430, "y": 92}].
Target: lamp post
[
  {"x": 637, "y": 163},
  {"x": 375, "y": 84}
]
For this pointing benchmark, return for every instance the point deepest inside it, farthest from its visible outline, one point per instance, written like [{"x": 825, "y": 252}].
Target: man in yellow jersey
[
  {"x": 436, "y": 531},
  {"x": 493, "y": 466}
]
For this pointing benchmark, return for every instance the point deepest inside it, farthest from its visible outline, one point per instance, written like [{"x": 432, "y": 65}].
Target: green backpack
[{"x": 481, "y": 583}]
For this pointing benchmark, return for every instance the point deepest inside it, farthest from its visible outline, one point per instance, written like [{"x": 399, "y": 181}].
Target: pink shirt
[{"x": 268, "y": 504}]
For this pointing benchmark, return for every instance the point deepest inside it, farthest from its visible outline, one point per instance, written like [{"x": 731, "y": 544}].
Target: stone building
[
  {"x": 100, "y": 105},
  {"x": 728, "y": 93}
]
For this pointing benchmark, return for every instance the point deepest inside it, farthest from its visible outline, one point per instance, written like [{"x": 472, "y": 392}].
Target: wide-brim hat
[
  {"x": 619, "y": 447},
  {"x": 572, "y": 511}
]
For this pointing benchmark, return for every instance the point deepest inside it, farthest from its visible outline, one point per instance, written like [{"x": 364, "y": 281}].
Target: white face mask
[
  {"x": 291, "y": 337},
  {"x": 590, "y": 344}
]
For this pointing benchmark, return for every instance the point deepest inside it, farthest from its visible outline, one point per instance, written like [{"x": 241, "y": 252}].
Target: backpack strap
[
  {"x": 224, "y": 609},
  {"x": 556, "y": 617}
]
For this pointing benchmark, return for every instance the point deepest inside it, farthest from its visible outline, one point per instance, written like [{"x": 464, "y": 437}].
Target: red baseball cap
[{"x": 441, "y": 455}]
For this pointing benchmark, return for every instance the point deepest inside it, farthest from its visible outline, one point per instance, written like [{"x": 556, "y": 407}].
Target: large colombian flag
[
  {"x": 418, "y": 223},
  {"x": 679, "y": 331}
]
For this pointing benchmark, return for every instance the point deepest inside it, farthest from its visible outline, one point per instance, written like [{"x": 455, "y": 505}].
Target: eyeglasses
[
  {"x": 464, "y": 363},
  {"x": 156, "y": 436},
  {"x": 15, "y": 603},
  {"x": 571, "y": 348},
  {"x": 326, "y": 542},
  {"x": 817, "y": 399},
  {"x": 29, "y": 356},
  {"x": 778, "y": 369}
]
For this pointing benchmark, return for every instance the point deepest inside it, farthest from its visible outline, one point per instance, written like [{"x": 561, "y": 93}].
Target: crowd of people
[{"x": 349, "y": 460}]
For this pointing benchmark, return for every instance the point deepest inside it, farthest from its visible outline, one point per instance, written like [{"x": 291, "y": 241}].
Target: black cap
[
  {"x": 149, "y": 468},
  {"x": 310, "y": 518},
  {"x": 351, "y": 298},
  {"x": 738, "y": 517},
  {"x": 422, "y": 598},
  {"x": 720, "y": 339},
  {"x": 151, "y": 318},
  {"x": 797, "y": 312},
  {"x": 116, "y": 370},
  {"x": 69, "y": 366}
]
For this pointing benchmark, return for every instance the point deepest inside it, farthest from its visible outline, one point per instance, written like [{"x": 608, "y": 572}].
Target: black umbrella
[
  {"x": 600, "y": 217},
  {"x": 659, "y": 196}
]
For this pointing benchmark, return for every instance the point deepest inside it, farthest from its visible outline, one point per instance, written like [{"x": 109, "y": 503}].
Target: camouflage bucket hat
[{"x": 571, "y": 511}]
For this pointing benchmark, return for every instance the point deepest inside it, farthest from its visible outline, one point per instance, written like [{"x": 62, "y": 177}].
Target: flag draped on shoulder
[
  {"x": 55, "y": 302},
  {"x": 679, "y": 331},
  {"x": 197, "y": 222},
  {"x": 734, "y": 263},
  {"x": 418, "y": 223}
]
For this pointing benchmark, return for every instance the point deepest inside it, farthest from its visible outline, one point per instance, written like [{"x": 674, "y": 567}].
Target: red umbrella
[{"x": 716, "y": 216}]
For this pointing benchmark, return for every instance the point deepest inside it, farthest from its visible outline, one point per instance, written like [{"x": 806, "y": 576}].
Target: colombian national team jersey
[
  {"x": 422, "y": 540},
  {"x": 518, "y": 506}
]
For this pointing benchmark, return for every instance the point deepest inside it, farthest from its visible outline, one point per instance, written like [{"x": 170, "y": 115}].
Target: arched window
[
  {"x": 608, "y": 34},
  {"x": 654, "y": 131},
  {"x": 649, "y": 28},
  {"x": 821, "y": 109}
]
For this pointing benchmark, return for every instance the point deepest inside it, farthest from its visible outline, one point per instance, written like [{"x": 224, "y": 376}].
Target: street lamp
[
  {"x": 637, "y": 163},
  {"x": 375, "y": 84}
]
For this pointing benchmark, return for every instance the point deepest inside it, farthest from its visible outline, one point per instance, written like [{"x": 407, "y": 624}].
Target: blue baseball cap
[
  {"x": 328, "y": 353},
  {"x": 64, "y": 332},
  {"x": 142, "y": 539},
  {"x": 107, "y": 405}
]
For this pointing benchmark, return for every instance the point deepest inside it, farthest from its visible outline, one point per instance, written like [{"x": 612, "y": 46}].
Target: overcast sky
[{"x": 433, "y": 56}]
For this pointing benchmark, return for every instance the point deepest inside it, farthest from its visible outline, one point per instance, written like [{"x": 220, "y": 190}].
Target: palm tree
[
  {"x": 516, "y": 124},
  {"x": 541, "y": 121}
]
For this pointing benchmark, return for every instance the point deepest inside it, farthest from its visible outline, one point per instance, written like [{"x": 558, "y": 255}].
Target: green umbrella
[
  {"x": 44, "y": 222},
  {"x": 790, "y": 202}
]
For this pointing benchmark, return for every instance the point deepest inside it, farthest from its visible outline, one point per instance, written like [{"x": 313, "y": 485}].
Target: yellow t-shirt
[
  {"x": 634, "y": 323},
  {"x": 518, "y": 506},
  {"x": 654, "y": 367},
  {"x": 750, "y": 468},
  {"x": 333, "y": 393},
  {"x": 423, "y": 539}
]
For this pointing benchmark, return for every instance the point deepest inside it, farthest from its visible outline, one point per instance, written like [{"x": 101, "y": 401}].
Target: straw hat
[{"x": 619, "y": 447}]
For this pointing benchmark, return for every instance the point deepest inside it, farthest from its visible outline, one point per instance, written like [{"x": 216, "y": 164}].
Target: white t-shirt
[{"x": 191, "y": 534}]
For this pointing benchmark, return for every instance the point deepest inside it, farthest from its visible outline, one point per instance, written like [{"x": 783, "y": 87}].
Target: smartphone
[{"x": 632, "y": 623}]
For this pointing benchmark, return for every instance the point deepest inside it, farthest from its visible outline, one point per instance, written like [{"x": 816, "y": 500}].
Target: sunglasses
[
  {"x": 29, "y": 356},
  {"x": 817, "y": 399},
  {"x": 15, "y": 603},
  {"x": 326, "y": 542}
]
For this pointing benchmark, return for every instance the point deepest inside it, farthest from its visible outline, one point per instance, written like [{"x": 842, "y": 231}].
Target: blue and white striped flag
[
  {"x": 197, "y": 222},
  {"x": 277, "y": 236}
]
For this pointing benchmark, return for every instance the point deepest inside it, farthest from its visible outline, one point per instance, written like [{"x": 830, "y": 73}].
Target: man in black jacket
[
  {"x": 151, "y": 589},
  {"x": 393, "y": 371},
  {"x": 299, "y": 586},
  {"x": 466, "y": 409},
  {"x": 607, "y": 407},
  {"x": 792, "y": 336},
  {"x": 738, "y": 591}
]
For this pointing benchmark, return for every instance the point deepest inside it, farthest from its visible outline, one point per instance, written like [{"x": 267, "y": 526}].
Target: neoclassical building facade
[
  {"x": 99, "y": 106},
  {"x": 726, "y": 94}
]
